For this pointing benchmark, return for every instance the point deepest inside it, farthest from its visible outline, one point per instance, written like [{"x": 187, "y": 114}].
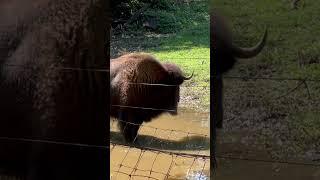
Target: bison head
[
  {"x": 175, "y": 78},
  {"x": 225, "y": 51}
]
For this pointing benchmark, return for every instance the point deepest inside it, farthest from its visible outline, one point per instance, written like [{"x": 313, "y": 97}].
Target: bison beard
[
  {"x": 134, "y": 99},
  {"x": 224, "y": 55}
]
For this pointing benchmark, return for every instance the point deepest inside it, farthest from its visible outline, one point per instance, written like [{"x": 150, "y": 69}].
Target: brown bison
[
  {"x": 142, "y": 88},
  {"x": 225, "y": 54}
]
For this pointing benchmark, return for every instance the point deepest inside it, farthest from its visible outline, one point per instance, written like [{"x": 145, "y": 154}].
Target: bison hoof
[
  {"x": 135, "y": 142},
  {"x": 129, "y": 138}
]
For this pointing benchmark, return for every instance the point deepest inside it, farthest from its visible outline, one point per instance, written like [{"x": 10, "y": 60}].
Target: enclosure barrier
[
  {"x": 146, "y": 160},
  {"x": 301, "y": 82}
]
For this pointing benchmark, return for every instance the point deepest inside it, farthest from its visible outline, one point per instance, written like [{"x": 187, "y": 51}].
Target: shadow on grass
[{"x": 192, "y": 143}]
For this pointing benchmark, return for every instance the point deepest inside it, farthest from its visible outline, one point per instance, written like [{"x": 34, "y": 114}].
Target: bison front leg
[
  {"x": 128, "y": 127},
  {"x": 129, "y": 131}
]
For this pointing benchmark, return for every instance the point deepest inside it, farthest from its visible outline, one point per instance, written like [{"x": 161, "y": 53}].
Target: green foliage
[
  {"x": 169, "y": 15},
  {"x": 124, "y": 9},
  {"x": 176, "y": 17},
  {"x": 166, "y": 21},
  {"x": 163, "y": 4}
]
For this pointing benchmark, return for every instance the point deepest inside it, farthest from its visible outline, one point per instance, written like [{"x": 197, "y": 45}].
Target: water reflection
[{"x": 186, "y": 133}]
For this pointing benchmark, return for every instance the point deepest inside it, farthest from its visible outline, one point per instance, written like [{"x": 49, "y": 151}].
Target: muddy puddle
[
  {"x": 169, "y": 140},
  {"x": 173, "y": 147}
]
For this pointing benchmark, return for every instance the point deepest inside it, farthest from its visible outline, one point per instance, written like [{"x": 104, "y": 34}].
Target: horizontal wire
[
  {"x": 186, "y": 58},
  {"x": 268, "y": 78},
  {"x": 268, "y": 161},
  {"x": 53, "y": 142},
  {"x": 61, "y": 68},
  {"x": 144, "y": 170},
  {"x": 163, "y": 129},
  {"x": 188, "y": 1},
  {"x": 132, "y": 175},
  {"x": 169, "y": 85},
  {"x": 163, "y": 59},
  {"x": 156, "y": 150},
  {"x": 85, "y": 69},
  {"x": 187, "y": 155},
  {"x": 224, "y": 77},
  {"x": 153, "y": 84},
  {"x": 238, "y": 77},
  {"x": 149, "y": 108},
  {"x": 145, "y": 108}
]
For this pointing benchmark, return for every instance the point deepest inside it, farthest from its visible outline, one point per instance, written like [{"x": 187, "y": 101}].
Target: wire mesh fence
[
  {"x": 155, "y": 164},
  {"x": 162, "y": 153}
]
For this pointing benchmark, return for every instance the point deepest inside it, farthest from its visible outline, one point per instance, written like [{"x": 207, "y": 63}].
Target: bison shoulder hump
[{"x": 150, "y": 68}]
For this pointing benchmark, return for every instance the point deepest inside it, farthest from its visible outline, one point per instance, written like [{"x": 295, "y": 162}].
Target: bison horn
[
  {"x": 252, "y": 51},
  {"x": 188, "y": 78}
]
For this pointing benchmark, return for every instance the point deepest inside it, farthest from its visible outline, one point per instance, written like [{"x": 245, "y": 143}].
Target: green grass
[
  {"x": 190, "y": 50},
  {"x": 293, "y": 48},
  {"x": 187, "y": 45},
  {"x": 292, "y": 51},
  {"x": 307, "y": 125}
]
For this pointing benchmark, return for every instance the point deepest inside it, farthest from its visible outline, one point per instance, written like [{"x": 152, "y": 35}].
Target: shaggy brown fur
[
  {"x": 128, "y": 70},
  {"x": 40, "y": 100}
]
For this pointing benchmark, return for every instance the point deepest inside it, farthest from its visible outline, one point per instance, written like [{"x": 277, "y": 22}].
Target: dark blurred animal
[
  {"x": 225, "y": 54},
  {"x": 142, "y": 88},
  {"x": 43, "y": 94},
  {"x": 225, "y": 51}
]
